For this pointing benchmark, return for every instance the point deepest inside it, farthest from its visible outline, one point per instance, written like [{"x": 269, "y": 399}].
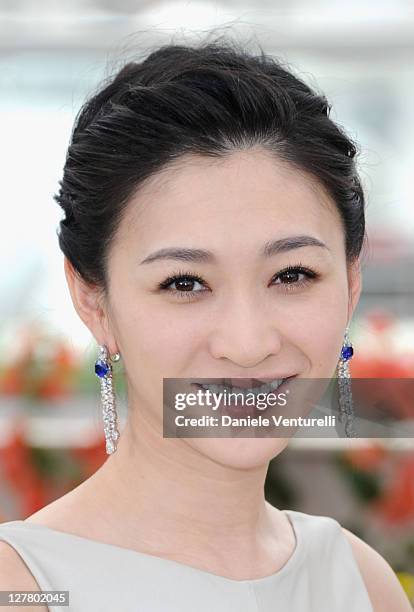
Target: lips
[{"x": 245, "y": 383}]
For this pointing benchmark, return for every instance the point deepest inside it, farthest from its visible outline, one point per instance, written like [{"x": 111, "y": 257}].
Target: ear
[
  {"x": 90, "y": 305},
  {"x": 354, "y": 286}
]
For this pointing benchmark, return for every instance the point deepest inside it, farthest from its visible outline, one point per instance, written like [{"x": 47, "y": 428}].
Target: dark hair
[{"x": 210, "y": 100}]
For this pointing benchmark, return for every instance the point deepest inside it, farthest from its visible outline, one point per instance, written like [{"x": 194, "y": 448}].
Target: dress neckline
[{"x": 293, "y": 560}]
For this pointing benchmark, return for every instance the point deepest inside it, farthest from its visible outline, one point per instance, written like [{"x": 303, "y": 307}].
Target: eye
[
  {"x": 291, "y": 274},
  {"x": 186, "y": 281}
]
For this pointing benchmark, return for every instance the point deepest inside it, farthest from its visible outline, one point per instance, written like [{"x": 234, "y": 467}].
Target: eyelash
[{"x": 311, "y": 276}]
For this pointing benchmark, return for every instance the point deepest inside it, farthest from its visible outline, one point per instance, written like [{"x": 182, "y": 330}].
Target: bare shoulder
[
  {"x": 383, "y": 586},
  {"x": 16, "y": 576}
]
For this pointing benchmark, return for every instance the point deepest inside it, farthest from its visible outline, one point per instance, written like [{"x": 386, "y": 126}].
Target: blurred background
[{"x": 53, "y": 55}]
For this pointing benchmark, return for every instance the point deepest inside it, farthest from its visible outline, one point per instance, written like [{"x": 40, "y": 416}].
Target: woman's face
[{"x": 242, "y": 319}]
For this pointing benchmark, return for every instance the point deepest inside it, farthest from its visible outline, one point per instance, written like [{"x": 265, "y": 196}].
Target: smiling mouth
[{"x": 245, "y": 384}]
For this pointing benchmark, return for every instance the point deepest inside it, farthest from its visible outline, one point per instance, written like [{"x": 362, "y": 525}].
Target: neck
[{"x": 163, "y": 495}]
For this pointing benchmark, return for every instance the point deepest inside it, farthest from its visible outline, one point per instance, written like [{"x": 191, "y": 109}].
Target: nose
[{"x": 246, "y": 336}]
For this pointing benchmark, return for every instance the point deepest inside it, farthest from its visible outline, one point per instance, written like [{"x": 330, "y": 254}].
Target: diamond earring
[
  {"x": 103, "y": 369},
  {"x": 346, "y": 412}
]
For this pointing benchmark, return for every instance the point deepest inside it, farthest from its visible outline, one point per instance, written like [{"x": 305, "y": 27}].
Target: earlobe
[{"x": 87, "y": 302}]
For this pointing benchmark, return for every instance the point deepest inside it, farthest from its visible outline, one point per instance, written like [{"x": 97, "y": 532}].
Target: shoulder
[
  {"x": 383, "y": 586},
  {"x": 16, "y": 576}
]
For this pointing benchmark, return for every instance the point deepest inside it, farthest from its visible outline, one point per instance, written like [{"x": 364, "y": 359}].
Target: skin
[{"x": 209, "y": 493}]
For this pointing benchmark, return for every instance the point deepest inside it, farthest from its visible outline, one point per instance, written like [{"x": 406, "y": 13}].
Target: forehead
[{"x": 247, "y": 193}]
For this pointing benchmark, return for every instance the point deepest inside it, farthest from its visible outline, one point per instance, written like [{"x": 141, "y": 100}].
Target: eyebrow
[{"x": 269, "y": 249}]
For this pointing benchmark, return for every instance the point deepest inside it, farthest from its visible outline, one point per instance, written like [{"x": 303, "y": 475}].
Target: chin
[{"x": 240, "y": 453}]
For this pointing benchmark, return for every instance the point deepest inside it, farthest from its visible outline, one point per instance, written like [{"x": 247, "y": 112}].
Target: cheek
[
  {"x": 322, "y": 345},
  {"x": 156, "y": 345},
  {"x": 327, "y": 337},
  {"x": 316, "y": 326}
]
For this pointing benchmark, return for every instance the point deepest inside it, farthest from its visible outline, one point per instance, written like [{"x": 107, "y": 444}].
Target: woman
[{"x": 211, "y": 153}]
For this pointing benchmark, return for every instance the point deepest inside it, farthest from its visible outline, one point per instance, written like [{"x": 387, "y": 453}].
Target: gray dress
[{"x": 320, "y": 576}]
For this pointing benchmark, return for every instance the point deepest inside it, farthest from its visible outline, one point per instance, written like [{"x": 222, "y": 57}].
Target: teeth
[{"x": 266, "y": 388}]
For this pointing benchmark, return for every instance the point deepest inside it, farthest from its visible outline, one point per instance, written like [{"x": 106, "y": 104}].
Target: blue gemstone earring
[
  {"x": 346, "y": 412},
  {"x": 103, "y": 369}
]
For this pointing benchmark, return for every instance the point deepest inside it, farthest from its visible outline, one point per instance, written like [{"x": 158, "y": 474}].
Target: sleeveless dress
[{"x": 321, "y": 575}]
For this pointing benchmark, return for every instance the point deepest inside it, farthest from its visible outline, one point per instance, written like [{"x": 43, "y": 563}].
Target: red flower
[
  {"x": 19, "y": 471},
  {"x": 367, "y": 458},
  {"x": 397, "y": 502}
]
